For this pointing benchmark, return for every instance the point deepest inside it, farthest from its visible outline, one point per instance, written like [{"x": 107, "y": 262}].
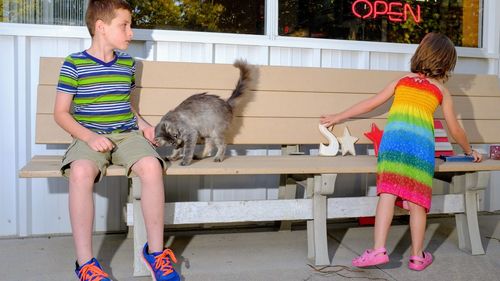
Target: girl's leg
[
  {"x": 383, "y": 219},
  {"x": 81, "y": 207},
  {"x": 150, "y": 172},
  {"x": 418, "y": 218}
]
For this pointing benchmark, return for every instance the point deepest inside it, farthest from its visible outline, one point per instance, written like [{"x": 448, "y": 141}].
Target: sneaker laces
[
  {"x": 92, "y": 272},
  {"x": 162, "y": 262}
]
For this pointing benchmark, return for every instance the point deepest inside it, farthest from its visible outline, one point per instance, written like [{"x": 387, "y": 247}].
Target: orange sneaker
[
  {"x": 91, "y": 271},
  {"x": 160, "y": 264}
]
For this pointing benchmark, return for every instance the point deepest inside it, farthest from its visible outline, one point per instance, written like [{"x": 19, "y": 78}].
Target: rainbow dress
[{"x": 406, "y": 153}]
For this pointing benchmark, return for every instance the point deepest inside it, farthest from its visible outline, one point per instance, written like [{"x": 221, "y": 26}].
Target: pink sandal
[
  {"x": 420, "y": 263},
  {"x": 371, "y": 258}
]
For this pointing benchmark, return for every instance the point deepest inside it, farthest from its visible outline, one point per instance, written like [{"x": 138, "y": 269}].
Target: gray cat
[{"x": 203, "y": 116}]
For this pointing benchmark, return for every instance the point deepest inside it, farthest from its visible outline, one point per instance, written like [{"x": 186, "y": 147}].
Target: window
[
  {"x": 244, "y": 16},
  {"x": 61, "y": 12},
  {"x": 398, "y": 21},
  {"x": 229, "y": 16}
]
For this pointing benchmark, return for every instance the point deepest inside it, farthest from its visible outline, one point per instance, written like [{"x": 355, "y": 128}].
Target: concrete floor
[{"x": 265, "y": 254}]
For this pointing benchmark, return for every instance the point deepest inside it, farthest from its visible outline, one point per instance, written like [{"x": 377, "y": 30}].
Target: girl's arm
[
  {"x": 361, "y": 107},
  {"x": 456, "y": 131}
]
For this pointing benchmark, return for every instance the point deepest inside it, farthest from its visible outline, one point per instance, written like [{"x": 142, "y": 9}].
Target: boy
[{"x": 93, "y": 104}]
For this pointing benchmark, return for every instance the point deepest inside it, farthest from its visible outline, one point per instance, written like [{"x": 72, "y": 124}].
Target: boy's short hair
[
  {"x": 103, "y": 10},
  {"x": 435, "y": 56}
]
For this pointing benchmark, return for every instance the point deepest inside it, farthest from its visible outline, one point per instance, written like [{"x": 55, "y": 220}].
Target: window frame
[{"x": 489, "y": 34}]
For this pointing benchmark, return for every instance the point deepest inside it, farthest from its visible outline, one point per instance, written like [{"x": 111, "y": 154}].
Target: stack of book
[{"x": 441, "y": 143}]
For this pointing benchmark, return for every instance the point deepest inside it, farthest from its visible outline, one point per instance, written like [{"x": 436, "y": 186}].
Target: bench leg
[
  {"x": 288, "y": 187},
  {"x": 130, "y": 232},
  {"x": 287, "y": 190},
  {"x": 323, "y": 185},
  {"x": 469, "y": 237},
  {"x": 309, "y": 190},
  {"x": 139, "y": 229}
]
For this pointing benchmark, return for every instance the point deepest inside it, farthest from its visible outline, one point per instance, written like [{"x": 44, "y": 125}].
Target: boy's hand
[
  {"x": 100, "y": 143},
  {"x": 149, "y": 134},
  {"x": 328, "y": 120}
]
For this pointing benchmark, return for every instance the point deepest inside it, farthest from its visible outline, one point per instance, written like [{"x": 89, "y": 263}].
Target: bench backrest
[{"x": 287, "y": 102}]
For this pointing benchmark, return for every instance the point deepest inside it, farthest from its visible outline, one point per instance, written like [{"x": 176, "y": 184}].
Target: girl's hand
[
  {"x": 478, "y": 157},
  {"x": 328, "y": 120}
]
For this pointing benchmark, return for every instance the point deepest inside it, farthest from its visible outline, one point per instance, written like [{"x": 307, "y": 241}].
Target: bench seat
[
  {"x": 284, "y": 110},
  {"x": 48, "y": 166}
]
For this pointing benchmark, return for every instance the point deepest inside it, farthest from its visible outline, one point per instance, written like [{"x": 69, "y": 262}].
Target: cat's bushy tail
[{"x": 247, "y": 81}]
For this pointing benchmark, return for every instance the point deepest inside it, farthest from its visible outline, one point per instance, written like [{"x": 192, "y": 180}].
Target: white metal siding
[{"x": 8, "y": 158}]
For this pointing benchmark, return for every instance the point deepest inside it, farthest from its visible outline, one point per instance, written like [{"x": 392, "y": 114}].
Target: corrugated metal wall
[{"x": 39, "y": 206}]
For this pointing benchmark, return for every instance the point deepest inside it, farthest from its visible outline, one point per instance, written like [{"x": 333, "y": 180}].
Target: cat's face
[{"x": 166, "y": 133}]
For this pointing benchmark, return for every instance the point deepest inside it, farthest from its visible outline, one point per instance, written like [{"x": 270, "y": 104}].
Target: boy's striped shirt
[{"x": 101, "y": 91}]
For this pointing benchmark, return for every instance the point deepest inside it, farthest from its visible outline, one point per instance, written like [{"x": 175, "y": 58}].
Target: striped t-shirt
[{"x": 101, "y": 91}]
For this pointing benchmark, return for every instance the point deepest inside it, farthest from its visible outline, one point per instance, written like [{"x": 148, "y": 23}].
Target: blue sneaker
[
  {"x": 159, "y": 264},
  {"x": 91, "y": 271}
]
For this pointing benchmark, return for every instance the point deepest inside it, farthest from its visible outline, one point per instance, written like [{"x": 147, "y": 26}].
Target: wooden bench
[{"x": 284, "y": 110}]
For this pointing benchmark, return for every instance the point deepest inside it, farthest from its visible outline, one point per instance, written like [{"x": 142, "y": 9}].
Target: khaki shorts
[{"x": 129, "y": 148}]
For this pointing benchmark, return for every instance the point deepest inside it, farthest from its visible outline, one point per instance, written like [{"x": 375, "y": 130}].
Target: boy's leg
[
  {"x": 418, "y": 219},
  {"x": 81, "y": 206},
  {"x": 82, "y": 166},
  {"x": 150, "y": 172},
  {"x": 141, "y": 159},
  {"x": 383, "y": 219}
]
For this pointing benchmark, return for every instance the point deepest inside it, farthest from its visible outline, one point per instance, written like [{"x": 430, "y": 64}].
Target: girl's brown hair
[
  {"x": 435, "y": 57},
  {"x": 103, "y": 10}
]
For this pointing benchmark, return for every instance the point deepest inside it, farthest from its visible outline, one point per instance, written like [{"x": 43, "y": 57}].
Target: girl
[{"x": 405, "y": 165}]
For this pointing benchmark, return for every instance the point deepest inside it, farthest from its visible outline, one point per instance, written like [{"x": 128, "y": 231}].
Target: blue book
[{"x": 458, "y": 158}]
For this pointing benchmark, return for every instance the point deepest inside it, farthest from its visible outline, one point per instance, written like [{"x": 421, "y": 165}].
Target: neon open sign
[{"x": 394, "y": 11}]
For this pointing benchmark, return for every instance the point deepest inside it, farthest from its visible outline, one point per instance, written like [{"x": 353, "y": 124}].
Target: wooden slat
[
  {"x": 43, "y": 166},
  {"x": 474, "y": 85},
  {"x": 186, "y": 75},
  {"x": 277, "y": 78},
  {"x": 365, "y": 206},
  {"x": 297, "y": 209},
  {"x": 155, "y": 101},
  {"x": 473, "y": 107},
  {"x": 49, "y": 70},
  {"x": 272, "y": 130},
  {"x": 295, "y": 104},
  {"x": 244, "y": 130},
  {"x": 237, "y": 211},
  {"x": 180, "y": 75},
  {"x": 287, "y": 108}
]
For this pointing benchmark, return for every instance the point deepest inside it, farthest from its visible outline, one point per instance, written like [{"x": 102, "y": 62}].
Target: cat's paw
[
  {"x": 171, "y": 159},
  {"x": 218, "y": 159},
  {"x": 186, "y": 161},
  {"x": 174, "y": 157}
]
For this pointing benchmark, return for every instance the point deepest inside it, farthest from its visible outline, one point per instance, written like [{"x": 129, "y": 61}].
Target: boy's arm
[
  {"x": 65, "y": 120},
  {"x": 147, "y": 129},
  {"x": 456, "y": 131}
]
